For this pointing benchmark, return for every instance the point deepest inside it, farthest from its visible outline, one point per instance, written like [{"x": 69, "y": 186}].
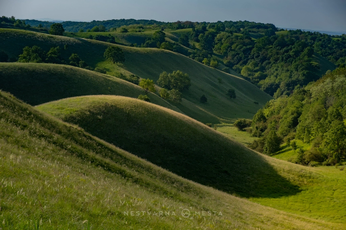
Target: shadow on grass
[{"x": 185, "y": 149}]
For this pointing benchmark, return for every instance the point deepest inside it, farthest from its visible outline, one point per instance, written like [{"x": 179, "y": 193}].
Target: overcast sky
[{"x": 323, "y": 15}]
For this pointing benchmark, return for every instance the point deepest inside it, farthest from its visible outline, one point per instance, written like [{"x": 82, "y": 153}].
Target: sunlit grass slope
[
  {"x": 56, "y": 176},
  {"x": 149, "y": 63},
  {"x": 195, "y": 151},
  {"x": 40, "y": 83}
]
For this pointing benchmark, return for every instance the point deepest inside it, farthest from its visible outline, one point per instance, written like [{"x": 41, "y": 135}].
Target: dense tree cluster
[
  {"x": 114, "y": 54},
  {"x": 36, "y": 54},
  {"x": 176, "y": 80},
  {"x": 314, "y": 114}
]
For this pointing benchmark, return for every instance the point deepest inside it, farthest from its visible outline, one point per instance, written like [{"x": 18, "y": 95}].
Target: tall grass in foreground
[{"x": 56, "y": 176}]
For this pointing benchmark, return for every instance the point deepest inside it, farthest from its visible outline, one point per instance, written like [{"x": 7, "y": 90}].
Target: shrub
[
  {"x": 203, "y": 99},
  {"x": 231, "y": 93},
  {"x": 148, "y": 85},
  {"x": 115, "y": 54},
  {"x": 241, "y": 124},
  {"x": 164, "y": 94},
  {"x": 144, "y": 97}
]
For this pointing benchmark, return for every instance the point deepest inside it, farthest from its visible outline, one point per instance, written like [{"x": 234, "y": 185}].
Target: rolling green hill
[
  {"x": 149, "y": 63},
  {"x": 39, "y": 83},
  {"x": 56, "y": 176},
  {"x": 165, "y": 138},
  {"x": 194, "y": 151}
]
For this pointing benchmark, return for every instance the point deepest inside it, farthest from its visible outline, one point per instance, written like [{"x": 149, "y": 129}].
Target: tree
[
  {"x": 115, "y": 54},
  {"x": 175, "y": 95},
  {"x": 180, "y": 81},
  {"x": 241, "y": 124},
  {"x": 56, "y": 29},
  {"x": 53, "y": 55},
  {"x": 175, "y": 80},
  {"x": 272, "y": 143},
  {"x": 74, "y": 59},
  {"x": 203, "y": 99},
  {"x": 164, "y": 94},
  {"x": 164, "y": 80},
  {"x": 32, "y": 54},
  {"x": 231, "y": 93},
  {"x": 124, "y": 30},
  {"x": 213, "y": 63},
  {"x": 294, "y": 145},
  {"x": 148, "y": 85},
  {"x": 3, "y": 56},
  {"x": 335, "y": 141},
  {"x": 166, "y": 46}
]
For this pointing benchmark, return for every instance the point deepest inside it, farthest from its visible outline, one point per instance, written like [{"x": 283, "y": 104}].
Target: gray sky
[{"x": 323, "y": 15}]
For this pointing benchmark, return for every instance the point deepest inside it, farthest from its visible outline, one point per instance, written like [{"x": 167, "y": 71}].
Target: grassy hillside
[
  {"x": 149, "y": 63},
  {"x": 39, "y": 83},
  {"x": 56, "y": 176},
  {"x": 165, "y": 138},
  {"x": 194, "y": 151}
]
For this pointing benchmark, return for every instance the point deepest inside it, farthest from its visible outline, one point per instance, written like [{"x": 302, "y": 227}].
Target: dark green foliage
[
  {"x": 166, "y": 46},
  {"x": 176, "y": 80},
  {"x": 148, "y": 85},
  {"x": 109, "y": 38},
  {"x": 241, "y": 124},
  {"x": 231, "y": 93},
  {"x": 56, "y": 29},
  {"x": 157, "y": 39},
  {"x": 74, "y": 59},
  {"x": 334, "y": 143},
  {"x": 175, "y": 96},
  {"x": 3, "y": 56},
  {"x": 144, "y": 98},
  {"x": 123, "y": 30},
  {"x": 130, "y": 78},
  {"x": 164, "y": 94},
  {"x": 314, "y": 115},
  {"x": 115, "y": 54},
  {"x": 32, "y": 54},
  {"x": 272, "y": 143},
  {"x": 203, "y": 99},
  {"x": 54, "y": 55}
]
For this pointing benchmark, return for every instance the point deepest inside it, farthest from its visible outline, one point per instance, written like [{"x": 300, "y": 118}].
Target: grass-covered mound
[
  {"x": 174, "y": 142},
  {"x": 150, "y": 63},
  {"x": 39, "y": 83},
  {"x": 56, "y": 176}
]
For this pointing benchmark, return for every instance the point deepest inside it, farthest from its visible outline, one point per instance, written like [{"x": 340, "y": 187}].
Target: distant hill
[
  {"x": 72, "y": 26},
  {"x": 149, "y": 63}
]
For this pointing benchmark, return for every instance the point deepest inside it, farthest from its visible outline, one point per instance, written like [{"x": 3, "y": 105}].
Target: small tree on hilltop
[
  {"x": 148, "y": 85},
  {"x": 115, "y": 54},
  {"x": 56, "y": 29}
]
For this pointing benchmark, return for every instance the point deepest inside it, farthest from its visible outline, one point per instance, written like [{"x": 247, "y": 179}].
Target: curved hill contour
[
  {"x": 175, "y": 142},
  {"x": 149, "y": 63}
]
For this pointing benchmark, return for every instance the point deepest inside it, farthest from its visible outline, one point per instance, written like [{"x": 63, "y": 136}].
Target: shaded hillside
[
  {"x": 174, "y": 142},
  {"x": 149, "y": 63},
  {"x": 192, "y": 150},
  {"x": 40, "y": 83},
  {"x": 55, "y": 176}
]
